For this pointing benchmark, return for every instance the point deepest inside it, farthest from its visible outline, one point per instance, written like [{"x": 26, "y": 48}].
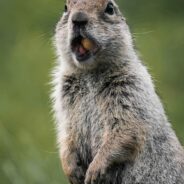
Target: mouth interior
[{"x": 83, "y": 48}]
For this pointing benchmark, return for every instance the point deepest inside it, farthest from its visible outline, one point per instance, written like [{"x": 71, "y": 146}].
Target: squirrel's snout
[{"x": 80, "y": 19}]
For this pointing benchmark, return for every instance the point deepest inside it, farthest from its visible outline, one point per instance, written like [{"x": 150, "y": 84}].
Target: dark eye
[
  {"x": 109, "y": 9},
  {"x": 66, "y": 8}
]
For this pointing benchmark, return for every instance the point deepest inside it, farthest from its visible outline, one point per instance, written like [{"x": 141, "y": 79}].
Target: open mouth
[{"x": 84, "y": 48}]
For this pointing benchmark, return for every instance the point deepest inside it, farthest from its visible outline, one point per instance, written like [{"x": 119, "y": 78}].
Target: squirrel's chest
[{"x": 82, "y": 112}]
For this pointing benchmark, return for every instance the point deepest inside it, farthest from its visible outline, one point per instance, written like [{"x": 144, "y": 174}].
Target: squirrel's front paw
[
  {"x": 76, "y": 176},
  {"x": 96, "y": 173},
  {"x": 73, "y": 170}
]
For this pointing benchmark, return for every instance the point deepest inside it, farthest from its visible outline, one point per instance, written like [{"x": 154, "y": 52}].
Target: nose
[{"x": 80, "y": 19}]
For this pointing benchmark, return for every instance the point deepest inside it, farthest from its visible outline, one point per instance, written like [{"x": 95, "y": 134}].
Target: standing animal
[{"x": 111, "y": 125}]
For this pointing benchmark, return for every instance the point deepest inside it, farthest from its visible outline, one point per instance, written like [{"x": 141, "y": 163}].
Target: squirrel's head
[{"x": 92, "y": 32}]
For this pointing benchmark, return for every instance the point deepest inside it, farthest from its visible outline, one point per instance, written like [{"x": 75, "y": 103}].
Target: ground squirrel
[{"x": 111, "y": 125}]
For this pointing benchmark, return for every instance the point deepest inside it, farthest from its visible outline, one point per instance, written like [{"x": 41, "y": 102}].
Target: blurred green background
[{"x": 28, "y": 151}]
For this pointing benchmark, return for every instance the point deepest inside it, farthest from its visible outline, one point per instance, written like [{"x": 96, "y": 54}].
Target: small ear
[{"x": 123, "y": 18}]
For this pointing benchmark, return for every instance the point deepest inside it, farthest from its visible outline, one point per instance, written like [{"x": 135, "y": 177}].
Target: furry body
[{"x": 111, "y": 125}]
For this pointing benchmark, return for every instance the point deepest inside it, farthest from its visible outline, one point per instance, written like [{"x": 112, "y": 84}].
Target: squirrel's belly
[{"x": 89, "y": 139}]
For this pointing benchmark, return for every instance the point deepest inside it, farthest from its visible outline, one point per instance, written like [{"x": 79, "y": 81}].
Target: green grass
[{"x": 28, "y": 151}]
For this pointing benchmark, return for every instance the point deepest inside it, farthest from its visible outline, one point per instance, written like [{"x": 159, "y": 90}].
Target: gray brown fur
[{"x": 111, "y": 125}]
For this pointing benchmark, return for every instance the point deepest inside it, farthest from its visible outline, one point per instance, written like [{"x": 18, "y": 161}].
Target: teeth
[{"x": 87, "y": 44}]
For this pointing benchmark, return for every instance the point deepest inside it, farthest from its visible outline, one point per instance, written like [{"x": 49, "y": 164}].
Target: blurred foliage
[{"x": 28, "y": 151}]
